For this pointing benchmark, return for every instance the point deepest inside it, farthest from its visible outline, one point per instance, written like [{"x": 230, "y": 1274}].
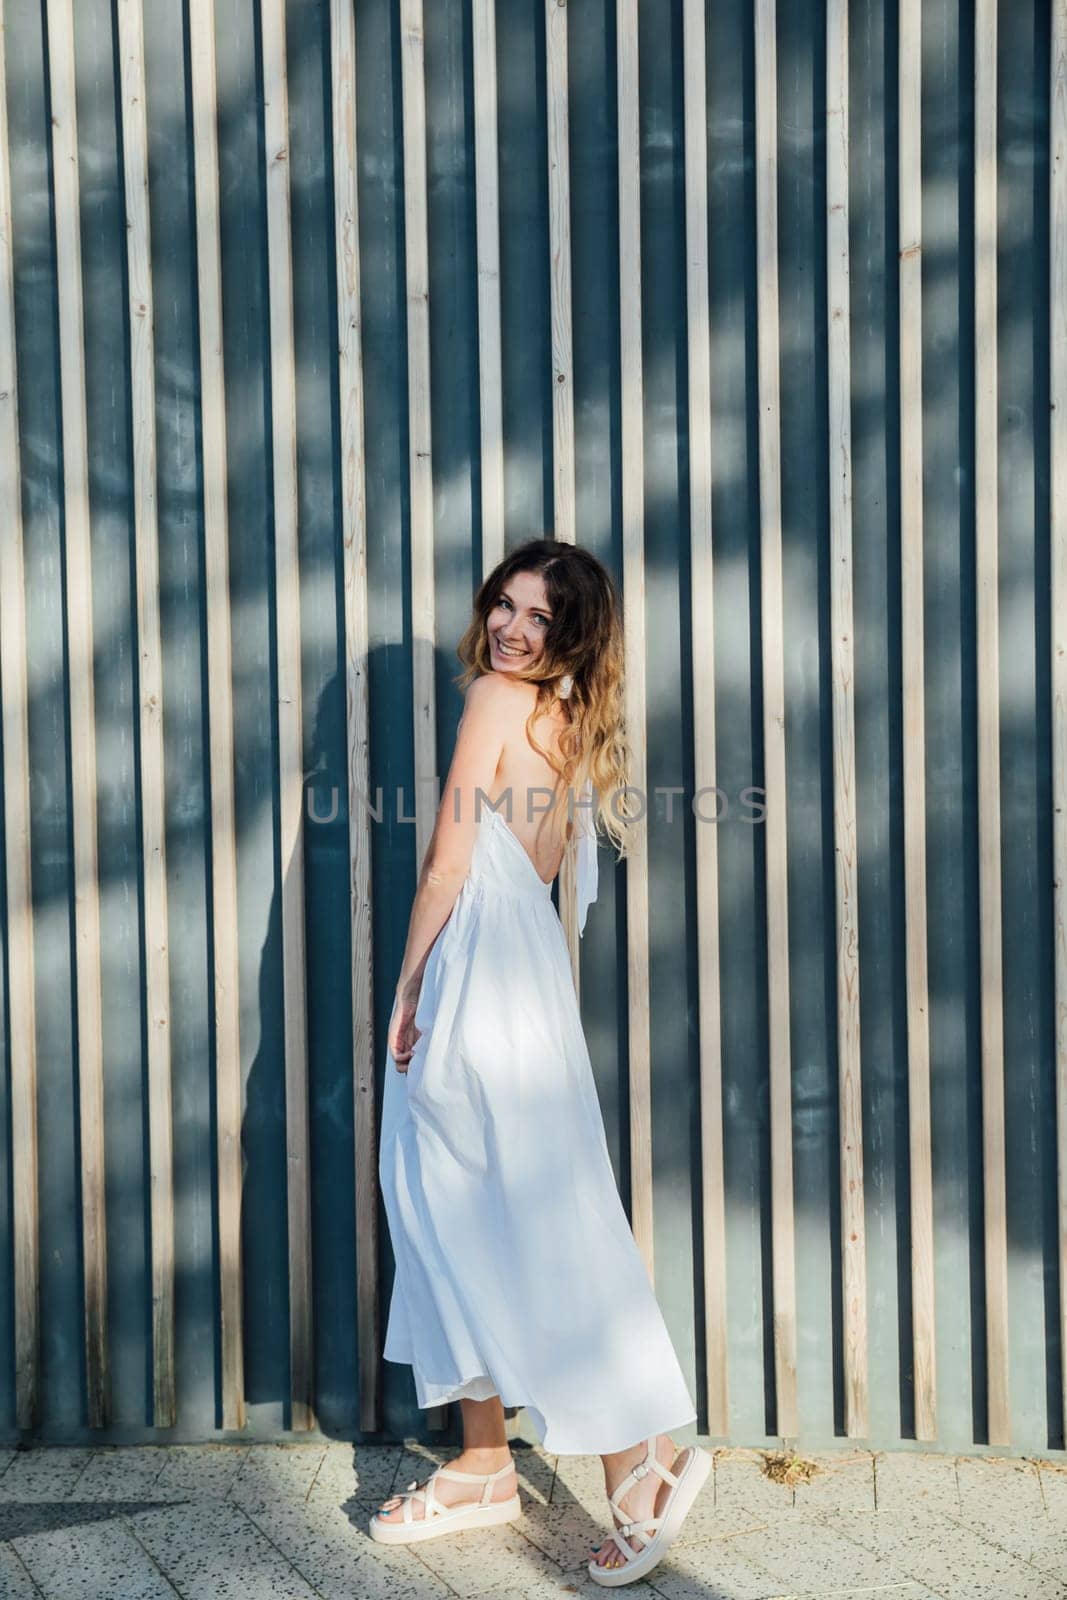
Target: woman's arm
[{"x": 489, "y": 705}]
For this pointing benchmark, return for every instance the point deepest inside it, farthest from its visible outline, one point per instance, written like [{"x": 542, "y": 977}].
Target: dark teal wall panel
[{"x": 951, "y": 666}]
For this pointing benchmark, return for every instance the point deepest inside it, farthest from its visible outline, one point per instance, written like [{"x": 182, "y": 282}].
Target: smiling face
[{"x": 518, "y": 622}]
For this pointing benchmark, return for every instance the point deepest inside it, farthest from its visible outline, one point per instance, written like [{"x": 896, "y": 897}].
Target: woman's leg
[
  {"x": 485, "y": 1449},
  {"x": 642, "y": 1499}
]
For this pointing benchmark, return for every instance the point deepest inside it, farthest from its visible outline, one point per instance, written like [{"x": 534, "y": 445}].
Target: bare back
[{"x": 524, "y": 776}]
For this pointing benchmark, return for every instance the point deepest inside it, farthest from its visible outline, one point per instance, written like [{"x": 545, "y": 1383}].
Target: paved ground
[{"x": 265, "y": 1520}]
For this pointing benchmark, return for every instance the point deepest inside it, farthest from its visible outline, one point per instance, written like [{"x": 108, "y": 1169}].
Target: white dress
[{"x": 517, "y": 1272}]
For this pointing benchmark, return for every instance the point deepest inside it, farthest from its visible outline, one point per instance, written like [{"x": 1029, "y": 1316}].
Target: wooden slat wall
[
  {"x": 290, "y": 713},
  {"x": 357, "y": 711},
  {"x": 842, "y": 655},
  {"x": 225, "y": 974},
  {"x": 994, "y": 1187},
  {"x": 701, "y": 557},
  {"x": 18, "y": 888},
  {"x": 773, "y": 685},
  {"x": 913, "y": 693},
  {"x": 734, "y": 1030},
  {"x": 83, "y": 775},
  {"x": 150, "y": 683},
  {"x": 633, "y": 580},
  {"x": 1058, "y": 552}
]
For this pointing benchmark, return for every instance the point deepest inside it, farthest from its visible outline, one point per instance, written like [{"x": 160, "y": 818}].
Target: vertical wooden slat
[
  {"x": 559, "y": 233},
  {"x": 633, "y": 573},
  {"x": 228, "y": 1091},
  {"x": 987, "y": 655},
  {"x": 839, "y": 384},
  {"x": 913, "y": 692},
  {"x": 698, "y": 314},
  {"x": 18, "y": 932},
  {"x": 79, "y": 624},
  {"x": 357, "y": 647},
  {"x": 773, "y": 682},
  {"x": 487, "y": 213},
  {"x": 1058, "y": 541},
  {"x": 559, "y": 238},
  {"x": 423, "y": 615},
  {"x": 150, "y": 684},
  {"x": 290, "y": 730}
]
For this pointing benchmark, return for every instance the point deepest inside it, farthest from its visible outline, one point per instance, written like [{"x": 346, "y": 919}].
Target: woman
[{"x": 518, "y": 1281}]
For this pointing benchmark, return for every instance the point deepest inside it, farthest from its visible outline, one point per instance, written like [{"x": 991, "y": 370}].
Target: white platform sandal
[
  {"x": 656, "y": 1533},
  {"x": 437, "y": 1519}
]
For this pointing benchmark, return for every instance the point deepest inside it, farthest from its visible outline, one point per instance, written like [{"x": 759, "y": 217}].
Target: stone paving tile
[
  {"x": 363, "y": 1472},
  {"x": 709, "y": 1572},
  {"x": 210, "y": 1550},
  {"x": 330, "y": 1548},
  {"x": 47, "y": 1472},
  {"x": 6, "y": 1458},
  {"x": 97, "y": 1562},
  {"x": 122, "y": 1472},
  {"x": 815, "y": 1558},
  {"x": 579, "y": 1481},
  {"x": 1053, "y": 1480},
  {"x": 277, "y": 1469},
  {"x": 948, "y": 1557},
  {"x": 208, "y": 1469},
  {"x": 1047, "y": 1551},
  {"x": 912, "y": 1477},
  {"x": 564, "y": 1533},
  {"x": 997, "y": 1491},
  {"x": 844, "y": 1482},
  {"x": 15, "y": 1581},
  {"x": 741, "y": 1484},
  {"x": 484, "y": 1561}
]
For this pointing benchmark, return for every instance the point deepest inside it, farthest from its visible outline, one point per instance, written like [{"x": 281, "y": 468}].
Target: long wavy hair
[{"x": 585, "y": 639}]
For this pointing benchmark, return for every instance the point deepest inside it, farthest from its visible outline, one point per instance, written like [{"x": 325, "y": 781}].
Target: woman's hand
[{"x": 403, "y": 1033}]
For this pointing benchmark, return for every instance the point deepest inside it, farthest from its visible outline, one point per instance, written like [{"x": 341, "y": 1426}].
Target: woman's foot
[
  {"x": 447, "y": 1492},
  {"x": 645, "y": 1498}
]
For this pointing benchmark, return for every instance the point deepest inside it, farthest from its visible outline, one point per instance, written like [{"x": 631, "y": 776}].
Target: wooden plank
[
  {"x": 842, "y": 658},
  {"x": 559, "y": 232},
  {"x": 913, "y": 692},
  {"x": 1058, "y": 507},
  {"x": 487, "y": 217},
  {"x": 226, "y": 979},
  {"x": 357, "y": 722},
  {"x": 420, "y": 467},
  {"x": 702, "y": 600},
  {"x": 773, "y": 685},
  {"x": 18, "y": 932},
  {"x": 633, "y": 575},
  {"x": 994, "y": 1177},
  {"x": 290, "y": 731},
  {"x": 82, "y": 710},
  {"x": 150, "y": 706},
  {"x": 559, "y": 235}
]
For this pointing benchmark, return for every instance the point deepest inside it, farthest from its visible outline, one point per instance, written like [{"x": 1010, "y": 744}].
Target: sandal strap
[
  {"x": 432, "y": 1507},
  {"x": 651, "y": 1463}
]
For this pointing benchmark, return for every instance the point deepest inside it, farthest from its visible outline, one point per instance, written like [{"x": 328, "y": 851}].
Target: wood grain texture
[
  {"x": 357, "y": 707},
  {"x": 853, "y": 1243},
  {"x": 994, "y": 1173},
  {"x": 420, "y": 445},
  {"x": 18, "y": 887},
  {"x": 913, "y": 695},
  {"x": 290, "y": 727},
  {"x": 631, "y": 408},
  {"x": 773, "y": 690},
  {"x": 82, "y": 706},
  {"x": 226, "y": 972},
  {"x": 1058, "y": 492},
  {"x": 702, "y": 628},
  {"x": 487, "y": 224},
  {"x": 559, "y": 232},
  {"x": 141, "y": 323}
]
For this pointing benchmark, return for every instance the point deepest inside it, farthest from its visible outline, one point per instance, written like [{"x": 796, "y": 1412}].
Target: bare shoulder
[{"x": 497, "y": 698}]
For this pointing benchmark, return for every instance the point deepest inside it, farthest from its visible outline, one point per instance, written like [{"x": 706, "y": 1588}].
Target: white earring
[{"x": 566, "y": 684}]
